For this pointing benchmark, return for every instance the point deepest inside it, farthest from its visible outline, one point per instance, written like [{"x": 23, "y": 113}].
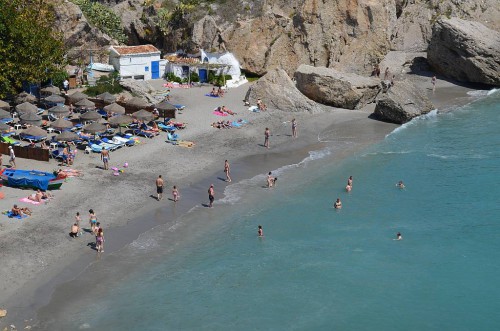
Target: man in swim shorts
[
  {"x": 105, "y": 158},
  {"x": 211, "y": 195},
  {"x": 159, "y": 187}
]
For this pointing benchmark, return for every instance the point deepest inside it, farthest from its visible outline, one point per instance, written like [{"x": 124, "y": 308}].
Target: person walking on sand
[
  {"x": 227, "y": 170},
  {"x": 159, "y": 187},
  {"x": 99, "y": 241},
  {"x": 433, "y": 81},
  {"x": 92, "y": 220},
  {"x": 211, "y": 195},
  {"x": 260, "y": 232},
  {"x": 105, "y": 158},
  {"x": 78, "y": 219},
  {"x": 12, "y": 157},
  {"x": 267, "y": 133},
  {"x": 294, "y": 128},
  {"x": 175, "y": 193}
]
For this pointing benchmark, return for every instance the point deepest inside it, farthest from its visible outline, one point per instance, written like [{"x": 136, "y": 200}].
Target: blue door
[
  {"x": 203, "y": 75},
  {"x": 155, "y": 69}
]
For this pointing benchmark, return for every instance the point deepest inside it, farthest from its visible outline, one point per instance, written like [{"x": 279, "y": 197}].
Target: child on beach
[
  {"x": 99, "y": 241},
  {"x": 92, "y": 220},
  {"x": 175, "y": 193}
]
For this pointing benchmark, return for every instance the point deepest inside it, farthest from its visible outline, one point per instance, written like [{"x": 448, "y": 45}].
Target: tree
[{"x": 30, "y": 50}]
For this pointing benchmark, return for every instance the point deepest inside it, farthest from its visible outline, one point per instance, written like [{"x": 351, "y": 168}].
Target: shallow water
[{"x": 318, "y": 268}]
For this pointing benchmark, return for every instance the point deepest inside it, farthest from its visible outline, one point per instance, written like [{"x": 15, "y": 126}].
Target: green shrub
[
  {"x": 109, "y": 83},
  {"x": 103, "y": 18},
  {"x": 195, "y": 78},
  {"x": 171, "y": 77}
]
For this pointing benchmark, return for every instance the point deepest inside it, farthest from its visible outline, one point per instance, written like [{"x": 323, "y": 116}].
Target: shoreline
[{"x": 342, "y": 121}]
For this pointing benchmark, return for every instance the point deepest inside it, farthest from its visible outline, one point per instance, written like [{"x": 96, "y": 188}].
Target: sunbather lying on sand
[
  {"x": 224, "y": 109},
  {"x": 221, "y": 125},
  {"x": 38, "y": 196}
]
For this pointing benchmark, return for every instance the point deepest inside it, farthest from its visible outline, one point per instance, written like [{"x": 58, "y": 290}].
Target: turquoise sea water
[{"x": 322, "y": 269}]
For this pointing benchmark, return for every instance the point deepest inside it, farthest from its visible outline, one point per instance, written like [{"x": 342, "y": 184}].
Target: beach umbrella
[
  {"x": 26, "y": 107},
  {"x": 85, "y": 103},
  {"x": 24, "y": 97},
  {"x": 5, "y": 127},
  {"x": 114, "y": 108},
  {"x": 143, "y": 115},
  {"x": 94, "y": 128},
  {"x": 59, "y": 111},
  {"x": 61, "y": 124},
  {"x": 4, "y": 114},
  {"x": 90, "y": 116},
  {"x": 77, "y": 96},
  {"x": 137, "y": 102},
  {"x": 4, "y": 105},
  {"x": 107, "y": 97},
  {"x": 67, "y": 136},
  {"x": 51, "y": 90},
  {"x": 55, "y": 98},
  {"x": 31, "y": 118},
  {"x": 119, "y": 120},
  {"x": 164, "y": 105},
  {"x": 34, "y": 131}
]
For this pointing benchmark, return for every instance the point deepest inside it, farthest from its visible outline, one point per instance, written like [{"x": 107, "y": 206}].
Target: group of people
[
  {"x": 225, "y": 110},
  {"x": 159, "y": 190},
  {"x": 95, "y": 228},
  {"x": 217, "y": 92}
]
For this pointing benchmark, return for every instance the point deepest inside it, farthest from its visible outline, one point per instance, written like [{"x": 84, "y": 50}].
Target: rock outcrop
[
  {"x": 465, "y": 51},
  {"x": 278, "y": 91},
  {"x": 334, "y": 88},
  {"x": 402, "y": 102}
]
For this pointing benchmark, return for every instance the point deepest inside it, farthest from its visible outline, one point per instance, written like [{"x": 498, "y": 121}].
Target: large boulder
[
  {"x": 402, "y": 102},
  {"x": 334, "y": 88},
  {"x": 278, "y": 91},
  {"x": 465, "y": 51}
]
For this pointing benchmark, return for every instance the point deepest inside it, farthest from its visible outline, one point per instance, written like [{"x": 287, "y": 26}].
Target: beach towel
[
  {"x": 218, "y": 113},
  {"x": 10, "y": 215},
  {"x": 185, "y": 143},
  {"x": 29, "y": 201},
  {"x": 212, "y": 96},
  {"x": 255, "y": 109}
]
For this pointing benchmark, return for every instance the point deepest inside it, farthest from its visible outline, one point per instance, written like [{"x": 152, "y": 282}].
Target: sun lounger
[
  {"x": 32, "y": 138},
  {"x": 164, "y": 127},
  {"x": 56, "y": 155},
  {"x": 113, "y": 142},
  {"x": 96, "y": 148},
  {"x": 142, "y": 133},
  {"x": 179, "y": 107},
  {"x": 126, "y": 141},
  {"x": 10, "y": 141},
  {"x": 7, "y": 120}
]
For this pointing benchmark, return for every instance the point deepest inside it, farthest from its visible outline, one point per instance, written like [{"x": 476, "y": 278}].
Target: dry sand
[{"x": 37, "y": 249}]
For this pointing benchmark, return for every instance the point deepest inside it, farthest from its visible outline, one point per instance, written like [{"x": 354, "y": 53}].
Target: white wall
[{"x": 134, "y": 65}]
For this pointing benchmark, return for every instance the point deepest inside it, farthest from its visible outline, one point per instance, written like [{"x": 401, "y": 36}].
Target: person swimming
[
  {"x": 399, "y": 236},
  {"x": 348, "y": 188},
  {"x": 337, "y": 204},
  {"x": 400, "y": 184}
]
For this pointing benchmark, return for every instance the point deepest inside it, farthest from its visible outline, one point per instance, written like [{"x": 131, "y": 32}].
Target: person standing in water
[
  {"x": 227, "y": 170},
  {"x": 399, "y": 236},
  {"x": 294, "y": 128},
  {"x": 337, "y": 204},
  {"x": 260, "y": 232},
  {"x": 211, "y": 195}
]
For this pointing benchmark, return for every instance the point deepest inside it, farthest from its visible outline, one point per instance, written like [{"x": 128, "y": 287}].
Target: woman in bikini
[{"x": 92, "y": 220}]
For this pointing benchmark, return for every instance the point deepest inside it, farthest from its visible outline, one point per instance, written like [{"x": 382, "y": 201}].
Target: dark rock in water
[
  {"x": 401, "y": 102},
  {"x": 278, "y": 91},
  {"x": 335, "y": 88},
  {"x": 465, "y": 51}
]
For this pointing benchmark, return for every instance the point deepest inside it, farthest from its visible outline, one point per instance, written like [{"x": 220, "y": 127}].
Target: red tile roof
[{"x": 142, "y": 49}]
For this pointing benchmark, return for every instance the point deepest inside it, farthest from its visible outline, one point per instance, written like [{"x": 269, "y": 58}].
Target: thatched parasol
[
  {"x": 107, "y": 97},
  {"x": 55, "y": 99},
  {"x": 137, "y": 102},
  {"x": 4, "y": 105},
  {"x": 24, "y": 97},
  {"x": 77, "y": 96},
  {"x": 4, "y": 114},
  {"x": 61, "y": 124},
  {"x": 34, "y": 131},
  {"x": 59, "y": 111},
  {"x": 120, "y": 119},
  {"x": 51, "y": 90},
  {"x": 90, "y": 116},
  {"x": 67, "y": 136},
  {"x": 31, "y": 118},
  {"x": 94, "y": 128},
  {"x": 164, "y": 105},
  {"x": 85, "y": 103},
  {"x": 143, "y": 115},
  {"x": 26, "y": 107},
  {"x": 5, "y": 127},
  {"x": 115, "y": 108}
]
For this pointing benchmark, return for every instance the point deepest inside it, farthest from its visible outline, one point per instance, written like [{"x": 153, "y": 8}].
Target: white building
[{"x": 137, "y": 62}]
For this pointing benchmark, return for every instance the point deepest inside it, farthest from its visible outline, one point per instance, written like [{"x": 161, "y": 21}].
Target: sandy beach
[{"x": 37, "y": 253}]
